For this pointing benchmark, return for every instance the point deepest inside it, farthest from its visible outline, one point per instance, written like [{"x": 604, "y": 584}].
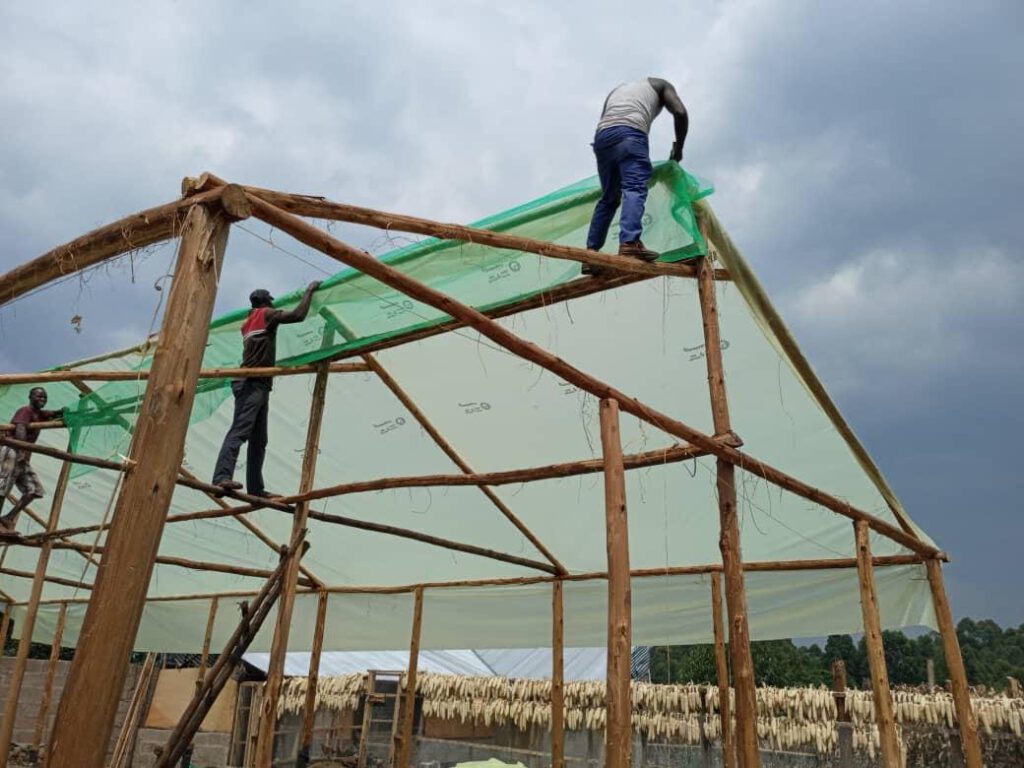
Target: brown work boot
[
  {"x": 638, "y": 250},
  {"x": 229, "y": 485}
]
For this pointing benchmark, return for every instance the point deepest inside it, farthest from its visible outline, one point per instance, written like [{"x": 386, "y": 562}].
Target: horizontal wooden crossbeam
[
  {"x": 842, "y": 563},
  {"x": 45, "y": 377}
]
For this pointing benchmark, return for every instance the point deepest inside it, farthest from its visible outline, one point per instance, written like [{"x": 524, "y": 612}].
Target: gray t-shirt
[{"x": 634, "y": 104}]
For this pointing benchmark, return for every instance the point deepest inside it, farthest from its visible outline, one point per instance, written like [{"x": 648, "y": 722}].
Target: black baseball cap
[{"x": 260, "y": 296}]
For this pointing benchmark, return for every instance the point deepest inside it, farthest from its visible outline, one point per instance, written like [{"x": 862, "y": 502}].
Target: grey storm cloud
[{"x": 866, "y": 158}]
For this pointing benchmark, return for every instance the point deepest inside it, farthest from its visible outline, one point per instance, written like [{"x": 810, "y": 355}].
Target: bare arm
[
  {"x": 298, "y": 314},
  {"x": 675, "y": 106}
]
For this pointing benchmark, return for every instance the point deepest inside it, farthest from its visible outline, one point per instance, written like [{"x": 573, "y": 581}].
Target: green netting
[{"x": 351, "y": 310}]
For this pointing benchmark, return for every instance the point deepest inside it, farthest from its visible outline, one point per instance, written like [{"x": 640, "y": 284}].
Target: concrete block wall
[
  {"x": 32, "y": 695},
  {"x": 211, "y": 749}
]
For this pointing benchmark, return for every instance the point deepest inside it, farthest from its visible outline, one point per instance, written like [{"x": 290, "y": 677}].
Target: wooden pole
[
  {"x": 204, "y": 659},
  {"x": 51, "y": 675},
  {"x": 722, "y": 673},
  {"x": 317, "y": 238},
  {"x": 409, "y": 703},
  {"x": 81, "y": 375},
  {"x": 282, "y": 627},
  {"x": 364, "y": 730},
  {"x": 557, "y": 674},
  {"x": 313, "y": 678},
  {"x": 844, "y": 726},
  {"x": 955, "y": 662},
  {"x": 128, "y": 464},
  {"x": 85, "y": 716},
  {"x": 638, "y": 573},
  {"x": 619, "y": 729},
  {"x": 253, "y": 616},
  {"x": 5, "y": 626},
  {"x": 729, "y": 531},
  {"x": 29, "y": 623},
  {"x": 127, "y": 234},
  {"x": 324, "y": 209},
  {"x": 891, "y": 756},
  {"x": 250, "y": 526}
]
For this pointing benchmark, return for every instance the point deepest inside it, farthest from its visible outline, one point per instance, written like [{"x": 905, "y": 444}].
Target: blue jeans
[{"x": 624, "y": 167}]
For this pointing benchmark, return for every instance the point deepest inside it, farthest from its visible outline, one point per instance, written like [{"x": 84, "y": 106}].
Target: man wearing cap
[{"x": 252, "y": 395}]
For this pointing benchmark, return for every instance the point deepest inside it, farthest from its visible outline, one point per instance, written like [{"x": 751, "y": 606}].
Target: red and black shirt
[{"x": 259, "y": 339}]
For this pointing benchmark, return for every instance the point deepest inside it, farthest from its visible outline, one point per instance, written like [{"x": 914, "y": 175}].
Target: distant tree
[{"x": 990, "y": 655}]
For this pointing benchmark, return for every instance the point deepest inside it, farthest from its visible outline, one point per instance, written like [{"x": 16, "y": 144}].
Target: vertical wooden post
[
  {"x": 843, "y": 725},
  {"x": 5, "y": 625},
  {"x": 85, "y": 716},
  {"x": 729, "y": 535},
  {"x": 722, "y": 670},
  {"x": 204, "y": 660},
  {"x": 51, "y": 674},
  {"x": 557, "y": 674},
  {"x": 286, "y": 603},
  {"x": 409, "y": 705},
  {"x": 891, "y": 757},
  {"x": 313, "y": 678},
  {"x": 29, "y": 623},
  {"x": 619, "y": 729},
  {"x": 955, "y": 662},
  {"x": 364, "y": 730}
]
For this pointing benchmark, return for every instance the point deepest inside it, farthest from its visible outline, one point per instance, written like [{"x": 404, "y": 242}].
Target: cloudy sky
[{"x": 867, "y": 158}]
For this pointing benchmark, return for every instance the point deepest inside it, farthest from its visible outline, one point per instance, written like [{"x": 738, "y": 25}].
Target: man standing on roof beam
[
  {"x": 15, "y": 468},
  {"x": 252, "y": 395},
  {"x": 624, "y": 161}
]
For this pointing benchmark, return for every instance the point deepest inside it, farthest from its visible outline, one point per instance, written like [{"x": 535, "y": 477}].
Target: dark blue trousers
[
  {"x": 249, "y": 425},
  {"x": 624, "y": 167}
]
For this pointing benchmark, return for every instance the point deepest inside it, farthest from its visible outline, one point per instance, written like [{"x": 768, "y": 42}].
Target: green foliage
[{"x": 990, "y": 655}]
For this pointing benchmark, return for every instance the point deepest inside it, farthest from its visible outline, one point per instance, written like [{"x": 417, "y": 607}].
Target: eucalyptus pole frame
[
  {"x": 404, "y": 751},
  {"x": 558, "y": 674},
  {"x": 884, "y": 718},
  {"x": 618, "y": 696},
  {"x": 51, "y": 675},
  {"x": 316, "y": 238},
  {"x": 286, "y": 604},
  {"x": 85, "y": 715},
  {"x": 729, "y": 530},
  {"x": 29, "y": 623},
  {"x": 965, "y": 715},
  {"x": 313, "y": 679}
]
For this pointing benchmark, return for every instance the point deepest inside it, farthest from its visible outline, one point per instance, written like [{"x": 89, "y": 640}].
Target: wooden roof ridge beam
[
  {"x": 80, "y": 375},
  {"x": 321, "y": 208},
  {"x": 254, "y": 502},
  {"x": 324, "y": 242},
  {"x": 130, "y": 233}
]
